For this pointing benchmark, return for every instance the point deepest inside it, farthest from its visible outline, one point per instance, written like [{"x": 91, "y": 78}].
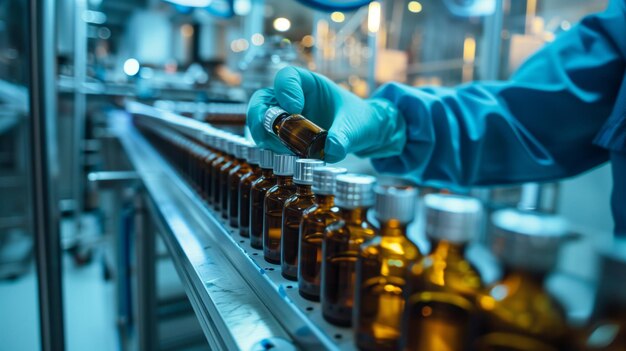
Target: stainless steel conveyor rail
[{"x": 241, "y": 301}]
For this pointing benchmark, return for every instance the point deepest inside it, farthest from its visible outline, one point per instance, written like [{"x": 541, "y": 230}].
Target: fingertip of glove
[{"x": 335, "y": 149}]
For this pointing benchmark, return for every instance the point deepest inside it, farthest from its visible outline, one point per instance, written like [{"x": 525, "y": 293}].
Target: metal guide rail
[{"x": 214, "y": 259}]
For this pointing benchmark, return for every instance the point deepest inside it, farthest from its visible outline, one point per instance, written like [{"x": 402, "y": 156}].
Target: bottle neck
[
  {"x": 445, "y": 249},
  {"x": 303, "y": 190},
  {"x": 255, "y": 169},
  {"x": 393, "y": 227},
  {"x": 278, "y": 121},
  {"x": 284, "y": 180},
  {"x": 325, "y": 201},
  {"x": 267, "y": 172},
  {"x": 354, "y": 215}
]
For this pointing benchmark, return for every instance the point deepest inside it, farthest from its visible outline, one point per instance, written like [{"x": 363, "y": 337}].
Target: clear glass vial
[
  {"x": 242, "y": 151},
  {"x": 355, "y": 195},
  {"x": 442, "y": 287},
  {"x": 315, "y": 220},
  {"x": 381, "y": 270},
  {"x": 245, "y": 187},
  {"x": 292, "y": 216},
  {"x": 300, "y": 135},
  {"x": 519, "y": 313},
  {"x": 257, "y": 198},
  {"x": 273, "y": 207}
]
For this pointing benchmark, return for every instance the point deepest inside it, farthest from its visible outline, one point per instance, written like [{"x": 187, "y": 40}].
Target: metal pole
[
  {"x": 80, "y": 110},
  {"x": 146, "y": 280},
  {"x": 44, "y": 160}
]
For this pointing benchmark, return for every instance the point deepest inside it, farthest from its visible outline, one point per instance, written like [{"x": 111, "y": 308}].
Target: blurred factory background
[{"x": 67, "y": 66}]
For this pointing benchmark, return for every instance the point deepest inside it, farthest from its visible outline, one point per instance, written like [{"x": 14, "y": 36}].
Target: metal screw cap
[
  {"x": 254, "y": 155},
  {"x": 396, "y": 202},
  {"x": 325, "y": 179},
  {"x": 355, "y": 190},
  {"x": 303, "y": 173},
  {"x": 267, "y": 159},
  {"x": 528, "y": 240},
  {"x": 452, "y": 218},
  {"x": 284, "y": 164},
  {"x": 270, "y": 116}
]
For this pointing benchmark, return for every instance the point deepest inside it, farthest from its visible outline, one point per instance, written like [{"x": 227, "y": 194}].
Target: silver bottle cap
[
  {"x": 452, "y": 218},
  {"x": 270, "y": 116},
  {"x": 355, "y": 190},
  {"x": 325, "y": 179},
  {"x": 303, "y": 173},
  {"x": 528, "y": 240},
  {"x": 395, "y": 202},
  {"x": 284, "y": 164},
  {"x": 241, "y": 150},
  {"x": 254, "y": 155},
  {"x": 267, "y": 159}
]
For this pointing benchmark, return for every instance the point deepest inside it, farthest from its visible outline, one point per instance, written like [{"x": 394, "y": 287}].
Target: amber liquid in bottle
[
  {"x": 216, "y": 165},
  {"x": 234, "y": 179},
  {"x": 440, "y": 295},
  {"x": 272, "y": 225},
  {"x": 607, "y": 332},
  {"x": 380, "y": 281},
  {"x": 315, "y": 220},
  {"x": 245, "y": 187},
  {"x": 301, "y": 136},
  {"x": 224, "y": 186},
  {"x": 257, "y": 206},
  {"x": 519, "y": 315},
  {"x": 340, "y": 250},
  {"x": 206, "y": 174},
  {"x": 290, "y": 238}
]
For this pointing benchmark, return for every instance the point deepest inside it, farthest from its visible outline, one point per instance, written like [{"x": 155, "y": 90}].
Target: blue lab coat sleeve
[{"x": 539, "y": 125}]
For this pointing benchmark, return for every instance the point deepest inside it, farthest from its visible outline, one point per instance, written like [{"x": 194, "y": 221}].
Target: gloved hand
[{"x": 368, "y": 128}]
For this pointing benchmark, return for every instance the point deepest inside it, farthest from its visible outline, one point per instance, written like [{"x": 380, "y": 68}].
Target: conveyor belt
[{"x": 239, "y": 299}]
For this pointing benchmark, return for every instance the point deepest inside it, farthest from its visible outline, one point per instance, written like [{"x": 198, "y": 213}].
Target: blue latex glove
[{"x": 367, "y": 128}]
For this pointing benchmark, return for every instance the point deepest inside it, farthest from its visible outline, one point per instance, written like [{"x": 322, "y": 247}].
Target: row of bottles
[{"x": 311, "y": 219}]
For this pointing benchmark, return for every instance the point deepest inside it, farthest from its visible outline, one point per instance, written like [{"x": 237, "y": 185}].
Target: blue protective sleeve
[{"x": 539, "y": 125}]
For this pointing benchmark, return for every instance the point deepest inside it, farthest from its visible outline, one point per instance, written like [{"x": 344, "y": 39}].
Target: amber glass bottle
[
  {"x": 519, "y": 314},
  {"x": 607, "y": 327},
  {"x": 223, "y": 177},
  {"x": 292, "y": 216},
  {"x": 442, "y": 287},
  {"x": 234, "y": 179},
  {"x": 257, "y": 198},
  {"x": 341, "y": 244},
  {"x": 300, "y": 135},
  {"x": 219, "y": 161},
  {"x": 273, "y": 206},
  {"x": 206, "y": 166},
  {"x": 381, "y": 270},
  {"x": 315, "y": 219},
  {"x": 245, "y": 186}
]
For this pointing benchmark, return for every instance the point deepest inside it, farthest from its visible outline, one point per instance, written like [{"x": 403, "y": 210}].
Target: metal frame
[{"x": 41, "y": 18}]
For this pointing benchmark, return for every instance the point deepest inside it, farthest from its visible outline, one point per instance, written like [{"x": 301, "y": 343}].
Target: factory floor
[
  {"x": 89, "y": 301},
  {"x": 89, "y": 316}
]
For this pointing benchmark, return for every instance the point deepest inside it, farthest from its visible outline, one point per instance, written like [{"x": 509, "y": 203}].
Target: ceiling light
[{"x": 282, "y": 24}]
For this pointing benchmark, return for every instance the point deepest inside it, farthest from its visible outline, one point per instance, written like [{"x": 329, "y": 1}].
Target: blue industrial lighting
[
  {"x": 335, "y": 5},
  {"x": 219, "y": 8}
]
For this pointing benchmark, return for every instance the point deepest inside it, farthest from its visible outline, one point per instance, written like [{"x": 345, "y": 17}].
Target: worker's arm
[{"x": 539, "y": 125}]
